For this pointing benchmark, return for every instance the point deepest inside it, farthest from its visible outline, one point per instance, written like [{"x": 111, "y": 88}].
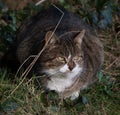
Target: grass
[
  {"x": 19, "y": 97},
  {"x": 100, "y": 99}
]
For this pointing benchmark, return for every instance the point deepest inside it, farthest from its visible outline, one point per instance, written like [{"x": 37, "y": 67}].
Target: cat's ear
[
  {"x": 51, "y": 37},
  {"x": 79, "y": 38}
]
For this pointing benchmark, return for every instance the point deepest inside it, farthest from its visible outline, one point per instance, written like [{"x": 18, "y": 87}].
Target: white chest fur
[{"x": 58, "y": 83}]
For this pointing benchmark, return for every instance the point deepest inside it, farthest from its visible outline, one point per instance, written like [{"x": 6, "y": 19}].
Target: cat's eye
[
  {"x": 77, "y": 58},
  {"x": 61, "y": 59}
]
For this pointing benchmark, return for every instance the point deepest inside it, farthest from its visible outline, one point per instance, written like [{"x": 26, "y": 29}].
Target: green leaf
[
  {"x": 54, "y": 108},
  {"x": 9, "y": 106},
  {"x": 84, "y": 100},
  {"x": 100, "y": 76},
  {"x": 106, "y": 18}
]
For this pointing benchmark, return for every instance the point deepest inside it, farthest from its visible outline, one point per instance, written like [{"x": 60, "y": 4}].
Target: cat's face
[{"x": 62, "y": 57}]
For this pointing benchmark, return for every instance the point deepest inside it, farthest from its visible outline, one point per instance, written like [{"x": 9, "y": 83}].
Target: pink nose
[{"x": 71, "y": 65}]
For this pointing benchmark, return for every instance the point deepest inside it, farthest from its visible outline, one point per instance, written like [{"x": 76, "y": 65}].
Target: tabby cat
[{"x": 72, "y": 57}]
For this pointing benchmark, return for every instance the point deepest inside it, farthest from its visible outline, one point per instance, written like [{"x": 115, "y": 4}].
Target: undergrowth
[{"x": 100, "y": 99}]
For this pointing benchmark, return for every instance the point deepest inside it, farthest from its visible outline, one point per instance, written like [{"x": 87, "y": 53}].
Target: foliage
[
  {"x": 9, "y": 24},
  {"x": 96, "y": 12},
  {"x": 102, "y": 98}
]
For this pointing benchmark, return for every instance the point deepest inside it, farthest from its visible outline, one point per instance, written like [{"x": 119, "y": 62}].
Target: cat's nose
[{"x": 71, "y": 65}]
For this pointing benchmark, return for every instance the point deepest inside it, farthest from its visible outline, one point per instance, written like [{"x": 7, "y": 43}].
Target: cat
[{"x": 72, "y": 57}]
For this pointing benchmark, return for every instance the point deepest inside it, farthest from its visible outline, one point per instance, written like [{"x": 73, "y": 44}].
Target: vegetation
[{"x": 20, "y": 96}]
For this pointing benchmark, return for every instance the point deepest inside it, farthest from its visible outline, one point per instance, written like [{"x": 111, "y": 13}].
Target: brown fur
[{"x": 31, "y": 39}]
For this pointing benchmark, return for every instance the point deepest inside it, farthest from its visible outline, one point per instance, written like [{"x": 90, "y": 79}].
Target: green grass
[{"x": 100, "y": 99}]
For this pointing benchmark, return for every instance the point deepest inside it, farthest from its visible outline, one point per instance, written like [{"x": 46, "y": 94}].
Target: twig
[
  {"x": 111, "y": 73},
  {"x": 26, "y": 72},
  {"x": 112, "y": 63},
  {"x": 38, "y": 55},
  {"x": 40, "y": 2},
  {"x": 16, "y": 87},
  {"x": 23, "y": 64}
]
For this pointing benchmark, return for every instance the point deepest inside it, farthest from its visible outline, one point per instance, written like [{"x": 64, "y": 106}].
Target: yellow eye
[
  {"x": 61, "y": 59},
  {"x": 77, "y": 58}
]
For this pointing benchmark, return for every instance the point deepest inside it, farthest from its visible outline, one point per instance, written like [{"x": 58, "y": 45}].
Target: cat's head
[{"x": 62, "y": 56}]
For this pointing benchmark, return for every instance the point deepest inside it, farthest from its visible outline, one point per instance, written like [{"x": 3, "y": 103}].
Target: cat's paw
[{"x": 74, "y": 95}]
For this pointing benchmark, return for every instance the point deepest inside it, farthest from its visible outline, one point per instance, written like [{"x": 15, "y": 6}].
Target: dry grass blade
[
  {"x": 26, "y": 72},
  {"x": 112, "y": 63},
  {"x": 38, "y": 55},
  {"x": 32, "y": 56},
  {"x": 40, "y": 2}
]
